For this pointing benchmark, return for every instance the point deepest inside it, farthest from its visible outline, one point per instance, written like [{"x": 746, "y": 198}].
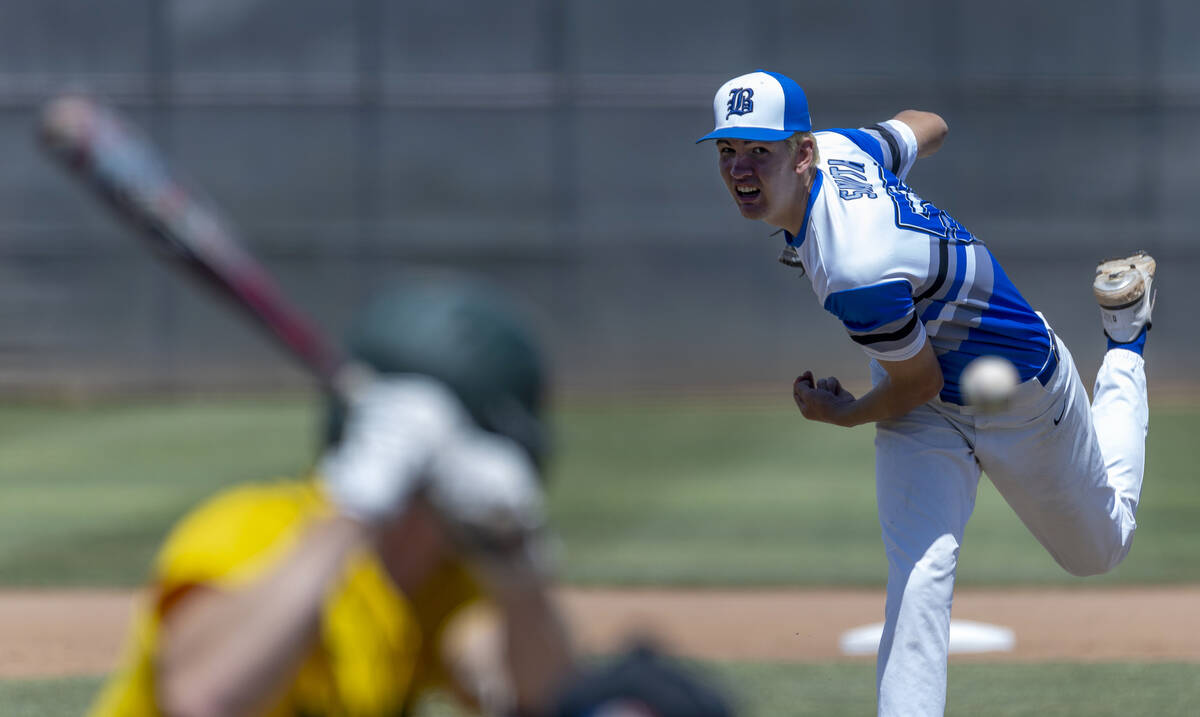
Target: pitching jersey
[
  {"x": 377, "y": 648},
  {"x": 896, "y": 269}
]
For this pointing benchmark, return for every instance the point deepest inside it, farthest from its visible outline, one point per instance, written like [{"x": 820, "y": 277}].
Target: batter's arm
[
  {"x": 536, "y": 647},
  {"x": 229, "y": 651},
  {"x": 929, "y": 128},
  {"x": 909, "y": 383}
]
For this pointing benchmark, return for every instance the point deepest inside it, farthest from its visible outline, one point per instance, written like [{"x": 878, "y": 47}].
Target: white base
[{"x": 966, "y": 637}]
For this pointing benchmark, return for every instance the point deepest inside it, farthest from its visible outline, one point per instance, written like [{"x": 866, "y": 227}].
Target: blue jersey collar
[{"x": 798, "y": 239}]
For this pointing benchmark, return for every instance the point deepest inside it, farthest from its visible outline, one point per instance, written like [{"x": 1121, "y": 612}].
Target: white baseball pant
[{"x": 1072, "y": 472}]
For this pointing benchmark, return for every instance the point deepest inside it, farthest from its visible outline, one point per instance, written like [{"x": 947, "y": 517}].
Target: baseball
[{"x": 988, "y": 383}]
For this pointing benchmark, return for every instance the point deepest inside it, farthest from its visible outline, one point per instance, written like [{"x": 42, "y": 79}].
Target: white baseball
[{"x": 988, "y": 383}]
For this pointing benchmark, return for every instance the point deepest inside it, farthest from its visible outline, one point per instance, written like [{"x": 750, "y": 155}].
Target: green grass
[
  {"x": 64, "y": 697},
  {"x": 689, "y": 493},
  {"x": 86, "y": 493},
  {"x": 838, "y": 689},
  {"x": 676, "y": 492},
  {"x": 695, "y": 493},
  {"x": 991, "y": 690},
  {"x": 847, "y": 689}
]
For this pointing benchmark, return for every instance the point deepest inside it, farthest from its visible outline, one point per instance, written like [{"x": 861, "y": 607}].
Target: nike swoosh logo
[{"x": 1060, "y": 416}]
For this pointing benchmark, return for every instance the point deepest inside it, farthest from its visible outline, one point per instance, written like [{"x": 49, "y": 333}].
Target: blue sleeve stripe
[
  {"x": 864, "y": 142},
  {"x": 880, "y": 329},
  {"x": 902, "y": 332},
  {"x": 871, "y": 307}
]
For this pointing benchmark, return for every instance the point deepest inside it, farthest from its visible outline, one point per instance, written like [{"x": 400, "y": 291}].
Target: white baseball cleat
[{"x": 1123, "y": 290}]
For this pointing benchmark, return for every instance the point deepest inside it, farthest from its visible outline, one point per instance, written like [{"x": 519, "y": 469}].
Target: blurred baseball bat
[{"x": 120, "y": 165}]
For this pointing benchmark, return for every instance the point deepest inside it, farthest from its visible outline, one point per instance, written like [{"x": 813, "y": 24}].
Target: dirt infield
[{"x": 57, "y": 633}]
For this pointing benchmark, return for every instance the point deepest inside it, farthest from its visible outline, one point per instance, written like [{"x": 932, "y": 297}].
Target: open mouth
[{"x": 746, "y": 192}]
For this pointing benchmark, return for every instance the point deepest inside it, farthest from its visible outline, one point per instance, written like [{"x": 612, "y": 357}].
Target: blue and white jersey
[{"x": 896, "y": 269}]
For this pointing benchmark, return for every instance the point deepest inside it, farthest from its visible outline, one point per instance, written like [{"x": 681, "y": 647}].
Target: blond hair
[{"x": 793, "y": 144}]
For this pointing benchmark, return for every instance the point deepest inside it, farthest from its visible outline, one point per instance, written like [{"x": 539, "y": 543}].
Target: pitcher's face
[{"x": 765, "y": 180}]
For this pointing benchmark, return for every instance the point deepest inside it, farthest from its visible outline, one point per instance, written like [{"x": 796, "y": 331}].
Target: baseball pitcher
[{"x": 923, "y": 297}]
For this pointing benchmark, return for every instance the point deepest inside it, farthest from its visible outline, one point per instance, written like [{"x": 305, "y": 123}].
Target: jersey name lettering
[{"x": 851, "y": 179}]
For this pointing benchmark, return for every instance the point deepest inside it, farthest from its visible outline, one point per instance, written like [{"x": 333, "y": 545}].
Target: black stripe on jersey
[
  {"x": 892, "y": 336},
  {"x": 887, "y": 135},
  {"x": 943, "y": 269}
]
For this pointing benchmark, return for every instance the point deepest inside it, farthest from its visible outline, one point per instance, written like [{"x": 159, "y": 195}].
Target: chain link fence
[{"x": 548, "y": 146}]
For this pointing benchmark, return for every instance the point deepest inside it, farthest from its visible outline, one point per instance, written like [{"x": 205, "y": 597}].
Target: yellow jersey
[{"x": 377, "y": 650}]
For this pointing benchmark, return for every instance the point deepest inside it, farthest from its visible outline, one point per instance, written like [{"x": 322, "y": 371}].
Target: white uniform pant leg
[
  {"x": 1074, "y": 483},
  {"x": 1121, "y": 416},
  {"x": 926, "y": 478}
]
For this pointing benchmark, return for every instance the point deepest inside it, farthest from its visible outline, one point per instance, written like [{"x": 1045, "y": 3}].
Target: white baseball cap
[{"x": 764, "y": 106}]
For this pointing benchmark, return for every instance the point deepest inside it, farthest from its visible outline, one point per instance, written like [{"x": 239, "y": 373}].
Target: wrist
[
  {"x": 845, "y": 411},
  {"x": 847, "y": 416}
]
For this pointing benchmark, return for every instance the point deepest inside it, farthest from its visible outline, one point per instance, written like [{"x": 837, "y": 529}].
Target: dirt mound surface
[{"x": 81, "y": 632}]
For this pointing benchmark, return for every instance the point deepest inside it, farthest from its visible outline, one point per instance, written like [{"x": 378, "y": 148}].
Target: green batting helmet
[{"x": 466, "y": 335}]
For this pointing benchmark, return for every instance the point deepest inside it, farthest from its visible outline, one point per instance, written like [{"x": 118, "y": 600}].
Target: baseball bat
[{"x": 115, "y": 161}]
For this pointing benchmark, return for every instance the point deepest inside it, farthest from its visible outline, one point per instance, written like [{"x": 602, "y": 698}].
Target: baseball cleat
[{"x": 1123, "y": 290}]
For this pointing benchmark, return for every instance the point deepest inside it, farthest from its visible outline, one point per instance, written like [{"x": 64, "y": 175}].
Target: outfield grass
[
  {"x": 694, "y": 493},
  {"x": 681, "y": 492},
  {"x": 86, "y": 493}
]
